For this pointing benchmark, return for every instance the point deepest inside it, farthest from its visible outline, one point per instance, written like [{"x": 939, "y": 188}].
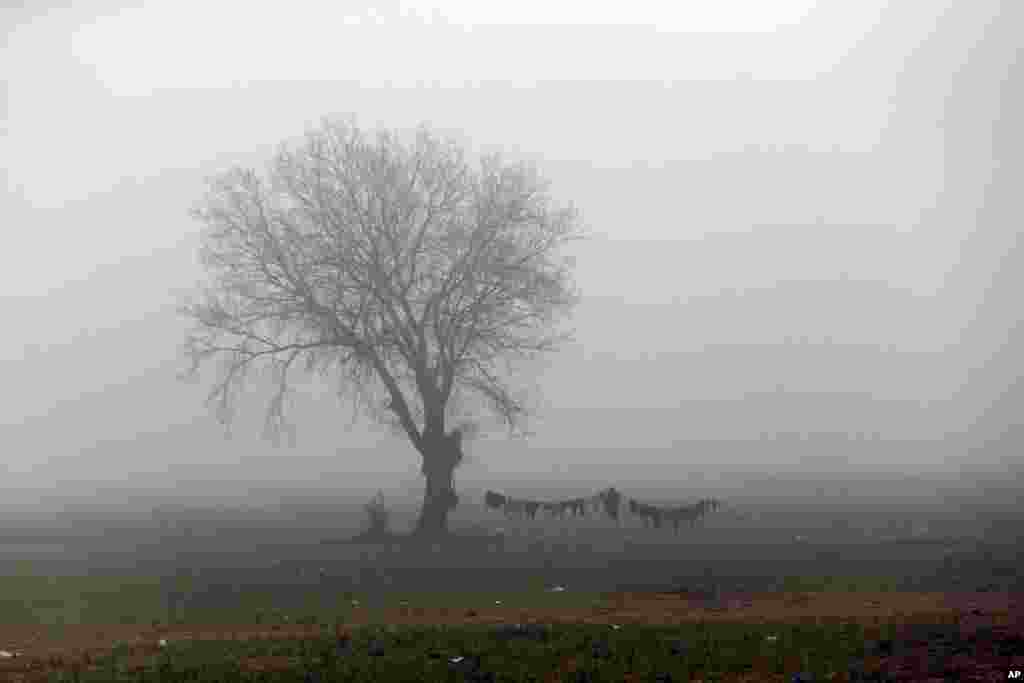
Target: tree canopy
[{"x": 408, "y": 275}]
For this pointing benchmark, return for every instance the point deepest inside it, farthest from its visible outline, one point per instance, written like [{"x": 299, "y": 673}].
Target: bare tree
[{"x": 412, "y": 277}]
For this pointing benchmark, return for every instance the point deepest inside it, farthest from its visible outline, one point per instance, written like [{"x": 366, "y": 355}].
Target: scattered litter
[
  {"x": 600, "y": 649},
  {"x": 528, "y": 631},
  {"x": 558, "y": 589},
  {"x": 615, "y": 627},
  {"x": 7, "y": 655},
  {"x": 163, "y": 643},
  {"x": 497, "y": 602},
  {"x": 467, "y": 665},
  {"x": 375, "y": 648},
  {"x": 772, "y": 639}
]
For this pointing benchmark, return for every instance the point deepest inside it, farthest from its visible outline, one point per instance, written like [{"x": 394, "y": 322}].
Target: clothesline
[
  {"x": 676, "y": 515},
  {"x": 609, "y": 500}
]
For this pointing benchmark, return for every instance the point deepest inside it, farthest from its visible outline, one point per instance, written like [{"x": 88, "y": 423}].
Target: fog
[{"x": 805, "y": 259}]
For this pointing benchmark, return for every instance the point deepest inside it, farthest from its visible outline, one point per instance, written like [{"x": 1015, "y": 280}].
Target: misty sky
[{"x": 835, "y": 174}]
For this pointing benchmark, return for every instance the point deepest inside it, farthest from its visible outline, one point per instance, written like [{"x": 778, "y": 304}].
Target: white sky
[
  {"x": 100, "y": 103},
  {"x": 173, "y": 45},
  {"x": 114, "y": 114}
]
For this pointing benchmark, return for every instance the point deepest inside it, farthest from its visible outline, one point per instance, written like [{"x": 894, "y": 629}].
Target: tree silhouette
[{"x": 414, "y": 278}]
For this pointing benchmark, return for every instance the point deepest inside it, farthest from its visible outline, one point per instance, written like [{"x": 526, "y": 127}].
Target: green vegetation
[
  {"x": 839, "y": 584},
  {"x": 708, "y": 651},
  {"x": 111, "y": 599},
  {"x": 26, "y": 598}
]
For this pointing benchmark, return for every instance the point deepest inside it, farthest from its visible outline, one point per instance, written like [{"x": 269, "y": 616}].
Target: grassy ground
[
  {"x": 711, "y": 649},
  {"x": 29, "y": 598},
  {"x": 579, "y": 653},
  {"x": 839, "y": 584}
]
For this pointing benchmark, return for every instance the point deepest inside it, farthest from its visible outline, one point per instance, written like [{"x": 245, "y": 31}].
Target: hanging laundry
[
  {"x": 687, "y": 513},
  {"x": 608, "y": 500},
  {"x": 494, "y": 501},
  {"x": 675, "y": 516},
  {"x": 710, "y": 505},
  {"x": 640, "y": 510},
  {"x": 655, "y": 515},
  {"x": 514, "y": 507},
  {"x": 611, "y": 499}
]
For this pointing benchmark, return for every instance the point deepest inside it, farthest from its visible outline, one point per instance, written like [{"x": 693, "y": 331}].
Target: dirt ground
[{"x": 40, "y": 650}]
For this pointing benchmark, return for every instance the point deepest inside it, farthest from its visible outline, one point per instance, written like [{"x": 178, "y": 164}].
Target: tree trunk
[{"x": 440, "y": 457}]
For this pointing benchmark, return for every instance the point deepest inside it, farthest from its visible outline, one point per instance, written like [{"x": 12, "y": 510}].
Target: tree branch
[{"x": 404, "y": 269}]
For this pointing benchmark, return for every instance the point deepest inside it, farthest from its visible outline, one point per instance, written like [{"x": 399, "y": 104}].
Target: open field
[
  {"x": 692, "y": 636},
  {"x": 73, "y": 594},
  {"x": 242, "y": 565},
  {"x": 192, "y": 562}
]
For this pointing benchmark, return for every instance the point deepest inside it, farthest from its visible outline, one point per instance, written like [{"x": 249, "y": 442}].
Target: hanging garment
[
  {"x": 657, "y": 515},
  {"x": 494, "y": 501},
  {"x": 515, "y": 507},
  {"x": 639, "y": 510},
  {"x": 682, "y": 514},
  {"x": 675, "y": 516},
  {"x": 611, "y": 499},
  {"x": 647, "y": 512},
  {"x": 691, "y": 514},
  {"x": 707, "y": 506}
]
